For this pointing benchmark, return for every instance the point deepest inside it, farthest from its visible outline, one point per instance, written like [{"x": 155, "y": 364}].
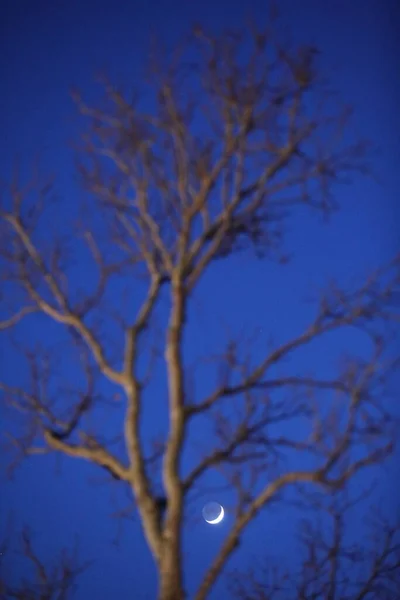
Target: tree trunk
[
  {"x": 170, "y": 589},
  {"x": 170, "y": 579}
]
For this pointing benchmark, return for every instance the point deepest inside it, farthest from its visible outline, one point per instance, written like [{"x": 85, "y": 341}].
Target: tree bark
[
  {"x": 171, "y": 579},
  {"x": 170, "y": 587}
]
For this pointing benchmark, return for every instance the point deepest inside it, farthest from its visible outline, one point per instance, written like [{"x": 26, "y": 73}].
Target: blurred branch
[
  {"x": 49, "y": 582},
  {"x": 331, "y": 564}
]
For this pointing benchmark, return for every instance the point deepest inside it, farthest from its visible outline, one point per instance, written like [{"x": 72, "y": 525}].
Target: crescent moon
[{"x": 219, "y": 518}]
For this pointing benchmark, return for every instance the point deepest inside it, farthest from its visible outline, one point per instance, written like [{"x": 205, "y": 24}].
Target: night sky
[{"x": 48, "y": 47}]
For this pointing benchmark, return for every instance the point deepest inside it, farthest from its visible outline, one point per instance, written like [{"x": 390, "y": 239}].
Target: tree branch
[{"x": 96, "y": 454}]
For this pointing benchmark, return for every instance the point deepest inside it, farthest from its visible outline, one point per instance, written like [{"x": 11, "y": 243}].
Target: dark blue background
[{"x": 46, "y": 48}]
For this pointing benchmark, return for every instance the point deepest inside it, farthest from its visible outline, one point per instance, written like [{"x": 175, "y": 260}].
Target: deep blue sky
[{"x": 47, "y": 47}]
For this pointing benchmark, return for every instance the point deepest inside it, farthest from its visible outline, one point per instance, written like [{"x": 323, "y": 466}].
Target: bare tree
[
  {"x": 39, "y": 581},
  {"x": 332, "y": 566},
  {"x": 240, "y": 134}
]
